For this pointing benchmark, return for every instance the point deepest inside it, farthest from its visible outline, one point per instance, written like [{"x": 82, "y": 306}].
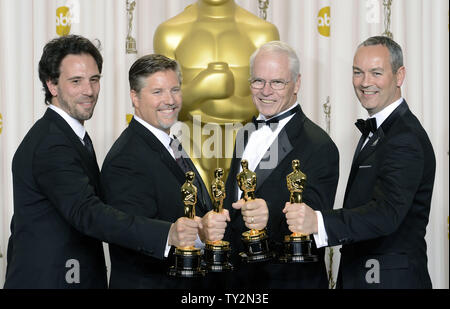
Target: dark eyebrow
[
  {"x": 80, "y": 77},
  {"x": 75, "y": 77}
]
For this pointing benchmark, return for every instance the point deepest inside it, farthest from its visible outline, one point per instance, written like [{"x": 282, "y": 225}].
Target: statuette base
[
  {"x": 187, "y": 263},
  {"x": 297, "y": 249}
]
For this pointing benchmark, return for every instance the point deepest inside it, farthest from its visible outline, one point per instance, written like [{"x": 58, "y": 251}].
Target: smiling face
[
  {"x": 159, "y": 101},
  {"x": 271, "y": 66},
  {"x": 78, "y": 86},
  {"x": 376, "y": 86}
]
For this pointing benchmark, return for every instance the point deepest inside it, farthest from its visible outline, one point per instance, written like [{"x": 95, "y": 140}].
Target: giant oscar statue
[
  {"x": 213, "y": 41},
  {"x": 188, "y": 259}
]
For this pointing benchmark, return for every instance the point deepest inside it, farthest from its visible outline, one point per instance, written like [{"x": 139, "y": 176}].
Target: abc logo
[
  {"x": 1, "y": 123},
  {"x": 323, "y": 21},
  {"x": 63, "y": 20}
]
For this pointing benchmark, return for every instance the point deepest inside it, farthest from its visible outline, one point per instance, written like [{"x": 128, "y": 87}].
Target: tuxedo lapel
[
  {"x": 283, "y": 145},
  {"x": 156, "y": 145},
  {"x": 378, "y": 138},
  {"x": 370, "y": 146},
  {"x": 272, "y": 158},
  {"x": 358, "y": 148},
  {"x": 88, "y": 160},
  {"x": 374, "y": 143},
  {"x": 233, "y": 187},
  {"x": 361, "y": 155},
  {"x": 205, "y": 203}
]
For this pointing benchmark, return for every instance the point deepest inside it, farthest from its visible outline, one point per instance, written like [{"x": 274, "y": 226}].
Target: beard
[
  {"x": 76, "y": 110},
  {"x": 167, "y": 124}
]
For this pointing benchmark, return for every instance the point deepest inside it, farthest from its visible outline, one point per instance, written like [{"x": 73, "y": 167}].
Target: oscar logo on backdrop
[{"x": 213, "y": 41}]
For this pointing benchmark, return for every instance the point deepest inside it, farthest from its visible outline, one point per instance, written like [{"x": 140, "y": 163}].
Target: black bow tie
[
  {"x": 366, "y": 126},
  {"x": 275, "y": 120}
]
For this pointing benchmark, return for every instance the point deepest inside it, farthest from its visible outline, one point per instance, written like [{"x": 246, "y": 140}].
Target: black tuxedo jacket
[
  {"x": 59, "y": 223},
  {"x": 319, "y": 160},
  {"x": 387, "y": 203},
  {"x": 140, "y": 177}
]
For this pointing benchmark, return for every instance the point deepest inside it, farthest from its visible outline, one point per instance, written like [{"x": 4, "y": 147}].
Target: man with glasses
[{"x": 280, "y": 134}]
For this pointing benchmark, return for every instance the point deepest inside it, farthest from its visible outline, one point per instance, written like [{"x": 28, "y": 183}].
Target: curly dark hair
[{"x": 55, "y": 51}]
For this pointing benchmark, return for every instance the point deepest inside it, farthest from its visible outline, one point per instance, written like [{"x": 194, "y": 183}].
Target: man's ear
[
  {"x": 400, "y": 75},
  {"x": 134, "y": 98},
  {"x": 298, "y": 83},
  {"x": 52, "y": 88}
]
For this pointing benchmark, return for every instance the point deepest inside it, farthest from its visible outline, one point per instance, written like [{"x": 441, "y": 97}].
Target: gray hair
[
  {"x": 395, "y": 51},
  {"x": 279, "y": 47},
  {"x": 148, "y": 65}
]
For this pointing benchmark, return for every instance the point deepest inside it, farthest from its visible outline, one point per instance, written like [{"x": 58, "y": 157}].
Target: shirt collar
[
  {"x": 281, "y": 123},
  {"x": 162, "y": 136},
  {"x": 262, "y": 117},
  {"x": 384, "y": 113},
  {"x": 76, "y": 126}
]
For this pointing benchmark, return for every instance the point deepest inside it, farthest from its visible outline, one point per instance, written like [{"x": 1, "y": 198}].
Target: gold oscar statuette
[
  {"x": 256, "y": 242},
  {"x": 188, "y": 259},
  {"x": 217, "y": 253},
  {"x": 297, "y": 246}
]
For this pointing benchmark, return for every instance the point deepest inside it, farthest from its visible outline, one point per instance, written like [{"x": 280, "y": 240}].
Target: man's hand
[
  {"x": 183, "y": 232},
  {"x": 300, "y": 218},
  {"x": 254, "y": 212},
  {"x": 214, "y": 225}
]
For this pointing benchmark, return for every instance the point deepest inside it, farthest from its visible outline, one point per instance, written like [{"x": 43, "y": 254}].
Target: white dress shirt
[
  {"x": 260, "y": 141},
  {"x": 321, "y": 237},
  {"x": 75, "y": 124}
]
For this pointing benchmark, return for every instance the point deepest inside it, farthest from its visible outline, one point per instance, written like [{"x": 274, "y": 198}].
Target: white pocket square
[{"x": 365, "y": 166}]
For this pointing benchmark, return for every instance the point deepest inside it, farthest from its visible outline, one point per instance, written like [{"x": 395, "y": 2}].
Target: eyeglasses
[{"x": 275, "y": 84}]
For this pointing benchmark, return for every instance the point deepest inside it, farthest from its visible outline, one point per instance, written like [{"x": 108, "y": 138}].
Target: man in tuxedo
[
  {"x": 280, "y": 134},
  {"x": 143, "y": 174},
  {"x": 383, "y": 221},
  {"x": 59, "y": 221}
]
